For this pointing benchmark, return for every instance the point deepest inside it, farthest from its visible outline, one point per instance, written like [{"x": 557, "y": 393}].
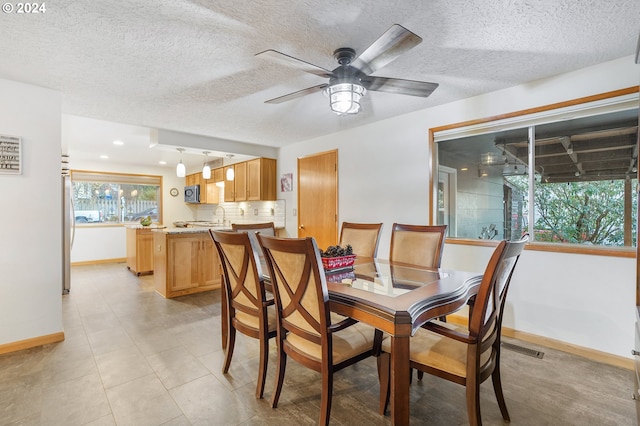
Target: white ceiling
[{"x": 189, "y": 65}]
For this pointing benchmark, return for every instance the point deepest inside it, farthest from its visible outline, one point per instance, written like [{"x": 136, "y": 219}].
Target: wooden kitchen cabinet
[
  {"x": 255, "y": 180},
  {"x": 240, "y": 181},
  {"x": 218, "y": 174},
  {"x": 229, "y": 185},
  {"x": 139, "y": 250},
  {"x": 212, "y": 192},
  {"x": 192, "y": 179},
  {"x": 185, "y": 263},
  {"x": 261, "y": 179}
]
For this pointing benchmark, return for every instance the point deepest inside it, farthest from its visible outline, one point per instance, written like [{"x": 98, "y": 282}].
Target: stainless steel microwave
[{"x": 192, "y": 194}]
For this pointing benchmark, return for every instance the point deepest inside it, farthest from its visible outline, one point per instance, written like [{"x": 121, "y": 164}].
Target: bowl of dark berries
[{"x": 336, "y": 257}]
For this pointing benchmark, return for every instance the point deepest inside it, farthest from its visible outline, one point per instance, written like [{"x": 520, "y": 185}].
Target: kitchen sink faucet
[{"x": 215, "y": 213}]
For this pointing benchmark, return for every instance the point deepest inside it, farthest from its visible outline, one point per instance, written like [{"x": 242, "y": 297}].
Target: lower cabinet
[
  {"x": 185, "y": 263},
  {"x": 140, "y": 250}
]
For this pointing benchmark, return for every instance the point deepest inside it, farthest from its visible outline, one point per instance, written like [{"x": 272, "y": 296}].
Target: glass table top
[{"x": 385, "y": 279}]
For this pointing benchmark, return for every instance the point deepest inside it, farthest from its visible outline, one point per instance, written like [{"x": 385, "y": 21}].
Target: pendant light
[
  {"x": 230, "y": 173},
  {"x": 181, "y": 170},
  {"x": 206, "y": 170}
]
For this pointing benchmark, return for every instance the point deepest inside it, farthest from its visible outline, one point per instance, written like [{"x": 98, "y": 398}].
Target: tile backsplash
[{"x": 244, "y": 212}]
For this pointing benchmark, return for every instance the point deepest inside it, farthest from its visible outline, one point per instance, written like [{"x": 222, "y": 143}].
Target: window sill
[{"x": 626, "y": 252}]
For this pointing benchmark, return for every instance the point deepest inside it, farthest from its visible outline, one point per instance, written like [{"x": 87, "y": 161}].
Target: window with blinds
[{"x": 113, "y": 198}]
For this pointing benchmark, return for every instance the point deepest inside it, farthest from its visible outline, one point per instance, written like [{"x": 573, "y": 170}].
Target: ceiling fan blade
[
  {"x": 393, "y": 43},
  {"x": 298, "y": 94},
  {"x": 282, "y": 58},
  {"x": 399, "y": 86}
]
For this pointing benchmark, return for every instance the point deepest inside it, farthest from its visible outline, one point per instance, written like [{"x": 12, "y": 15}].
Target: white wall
[
  {"x": 31, "y": 214},
  {"x": 383, "y": 176}
]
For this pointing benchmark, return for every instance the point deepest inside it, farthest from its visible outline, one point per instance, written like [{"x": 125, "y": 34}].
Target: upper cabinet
[
  {"x": 254, "y": 180},
  {"x": 240, "y": 181},
  {"x": 261, "y": 179},
  {"x": 229, "y": 185}
]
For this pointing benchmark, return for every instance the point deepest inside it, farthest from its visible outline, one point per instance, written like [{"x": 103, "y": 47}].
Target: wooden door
[{"x": 318, "y": 198}]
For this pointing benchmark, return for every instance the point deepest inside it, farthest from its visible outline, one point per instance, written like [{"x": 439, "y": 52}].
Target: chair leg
[
  {"x": 325, "y": 398},
  {"x": 497, "y": 388},
  {"x": 384, "y": 367},
  {"x": 473, "y": 402},
  {"x": 228, "y": 352},
  {"x": 264, "y": 360},
  {"x": 282, "y": 362}
]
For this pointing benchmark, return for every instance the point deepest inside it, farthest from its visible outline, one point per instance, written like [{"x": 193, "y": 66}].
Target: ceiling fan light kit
[
  {"x": 351, "y": 80},
  {"x": 344, "y": 98}
]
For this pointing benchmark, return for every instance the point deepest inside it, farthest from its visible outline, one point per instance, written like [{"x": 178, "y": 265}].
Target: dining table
[{"x": 396, "y": 298}]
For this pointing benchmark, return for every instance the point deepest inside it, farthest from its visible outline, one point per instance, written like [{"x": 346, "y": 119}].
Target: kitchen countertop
[
  {"x": 138, "y": 226},
  {"x": 191, "y": 230}
]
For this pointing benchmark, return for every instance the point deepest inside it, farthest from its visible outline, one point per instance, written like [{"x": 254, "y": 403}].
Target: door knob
[{"x": 301, "y": 227}]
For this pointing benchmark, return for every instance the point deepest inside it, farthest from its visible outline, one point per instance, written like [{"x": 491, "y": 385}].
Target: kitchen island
[
  {"x": 140, "y": 249},
  {"x": 185, "y": 261}
]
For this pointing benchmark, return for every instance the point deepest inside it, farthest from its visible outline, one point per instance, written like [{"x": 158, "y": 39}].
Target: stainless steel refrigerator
[{"x": 68, "y": 225}]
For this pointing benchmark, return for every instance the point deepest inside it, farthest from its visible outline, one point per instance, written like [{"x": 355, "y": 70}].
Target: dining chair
[
  {"x": 266, "y": 228},
  {"x": 363, "y": 238},
  {"x": 417, "y": 244},
  {"x": 466, "y": 355},
  {"x": 248, "y": 310},
  {"x": 307, "y": 331}
]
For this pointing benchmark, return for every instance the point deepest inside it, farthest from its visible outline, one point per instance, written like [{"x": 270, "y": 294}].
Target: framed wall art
[
  {"x": 286, "y": 182},
  {"x": 10, "y": 155}
]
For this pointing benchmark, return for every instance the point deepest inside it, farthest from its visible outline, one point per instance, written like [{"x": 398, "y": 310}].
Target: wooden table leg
[{"x": 400, "y": 380}]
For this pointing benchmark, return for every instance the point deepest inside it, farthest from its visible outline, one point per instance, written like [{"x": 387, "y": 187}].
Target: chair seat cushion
[
  {"x": 440, "y": 352},
  {"x": 252, "y": 321},
  {"x": 347, "y": 343}
]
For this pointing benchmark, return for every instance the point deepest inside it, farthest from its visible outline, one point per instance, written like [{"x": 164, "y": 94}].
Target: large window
[
  {"x": 115, "y": 198},
  {"x": 568, "y": 177}
]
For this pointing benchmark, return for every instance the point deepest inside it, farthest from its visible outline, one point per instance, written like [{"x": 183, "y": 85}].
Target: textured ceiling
[{"x": 189, "y": 66}]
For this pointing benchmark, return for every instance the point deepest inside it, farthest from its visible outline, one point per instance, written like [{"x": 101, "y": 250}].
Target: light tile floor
[{"x": 131, "y": 357}]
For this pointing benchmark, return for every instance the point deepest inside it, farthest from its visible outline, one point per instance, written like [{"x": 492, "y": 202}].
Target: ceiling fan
[{"x": 352, "y": 78}]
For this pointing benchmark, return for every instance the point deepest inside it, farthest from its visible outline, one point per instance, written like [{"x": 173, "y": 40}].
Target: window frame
[
  {"x": 518, "y": 118},
  {"x": 120, "y": 178}
]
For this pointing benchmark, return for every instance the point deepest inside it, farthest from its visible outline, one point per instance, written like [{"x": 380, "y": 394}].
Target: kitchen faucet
[{"x": 224, "y": 220}]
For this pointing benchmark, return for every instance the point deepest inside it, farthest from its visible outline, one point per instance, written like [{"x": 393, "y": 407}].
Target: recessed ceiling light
[
  {"x": 118, "y": 143},
  {"x": 104, "y": 157},
  {"x": 162, "y": 162}
]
